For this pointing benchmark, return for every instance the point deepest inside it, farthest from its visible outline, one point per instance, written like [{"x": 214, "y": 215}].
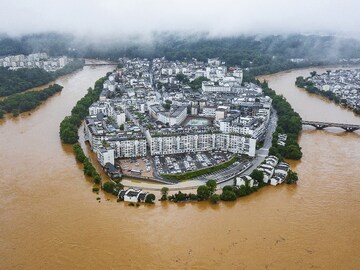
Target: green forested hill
[
  {"x": 16, "y": 81},
  {"x": 27, "y": 101}
]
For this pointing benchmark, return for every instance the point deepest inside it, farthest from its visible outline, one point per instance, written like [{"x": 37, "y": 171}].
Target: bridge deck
[{"x": 322, "y": 125}]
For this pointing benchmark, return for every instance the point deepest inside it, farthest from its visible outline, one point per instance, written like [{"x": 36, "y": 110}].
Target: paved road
[{"x": 260, "y": 154}]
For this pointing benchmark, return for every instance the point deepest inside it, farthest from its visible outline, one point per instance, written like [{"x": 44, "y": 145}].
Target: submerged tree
[
  {"x": 203, "y": 193},
  {"x": 164, "y": 193},
  {"x": 292, "y": 177},
  {"x": 211, "y": 184}
]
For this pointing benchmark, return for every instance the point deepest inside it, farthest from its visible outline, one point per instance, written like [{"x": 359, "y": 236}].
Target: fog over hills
[
  {"x": 109, "y": 19},
  {"x": 245, "y": 33}
]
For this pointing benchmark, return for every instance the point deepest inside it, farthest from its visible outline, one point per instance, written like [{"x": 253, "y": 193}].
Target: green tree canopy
[
  {"x": 203, "y": 192},
  {"x": 257, "y": 175},
  {"x": 292, "y": 177},
  {"x": 228, "y": 195},
  {"x": 150, "y": 198},
  {"x": 214, "y": 198},
  {"x": 211, "y": 184},
  {"x": 109, "y": 186}
]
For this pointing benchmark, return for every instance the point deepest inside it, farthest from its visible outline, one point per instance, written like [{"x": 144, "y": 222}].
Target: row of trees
[
  {"x": 289, "y": 122},
  {"x": 229, "y": 193},
  {"x": 69, "y": 126},
  {"x": 207, "y": 192},
  {"x": 203, "y": 193},
  {"x": 16, "y": 81},
  {"x": 89, "y": 169},
  {"x": 193, "y": 174},
  {"x": 24, "y": 102}
]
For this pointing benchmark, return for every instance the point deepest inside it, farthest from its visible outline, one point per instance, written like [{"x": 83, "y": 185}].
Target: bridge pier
[
  {"x": 320, "y": 127},
  {"x": 349, "y": 129}
]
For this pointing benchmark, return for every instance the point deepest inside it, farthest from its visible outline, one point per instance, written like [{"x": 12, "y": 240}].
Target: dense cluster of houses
[
  {"x": 275, "y": 172},
  {"x": 343, "y": 83},
  {"x": 35, "y": 60},
  {"x": 147, "y": 107}
]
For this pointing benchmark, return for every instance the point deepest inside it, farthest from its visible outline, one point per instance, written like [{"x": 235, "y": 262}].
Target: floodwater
[{"x": 50, "y": 219}]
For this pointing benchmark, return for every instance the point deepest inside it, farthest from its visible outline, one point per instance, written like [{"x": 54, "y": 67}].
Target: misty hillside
[{"x": 245, "y": 51}]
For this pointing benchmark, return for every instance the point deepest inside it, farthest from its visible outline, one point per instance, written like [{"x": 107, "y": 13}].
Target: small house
[{"x": 133, "y": 195}]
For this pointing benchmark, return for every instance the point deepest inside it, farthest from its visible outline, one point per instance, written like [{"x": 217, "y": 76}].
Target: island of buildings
[
  {"x": 147, "y": 114},
  {"x": 344, "y": 84},
  {"x": 35, "y": 60}
]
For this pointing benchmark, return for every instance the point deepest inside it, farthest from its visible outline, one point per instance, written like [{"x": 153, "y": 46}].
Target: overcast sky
[{"x": 221, "y": 17}]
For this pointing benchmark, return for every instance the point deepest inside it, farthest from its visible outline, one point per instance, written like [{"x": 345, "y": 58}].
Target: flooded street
[{"x": 50, "y": 219}]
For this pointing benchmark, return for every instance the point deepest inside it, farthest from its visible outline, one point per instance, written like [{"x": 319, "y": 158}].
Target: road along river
[{"x": 50, "y": 219}]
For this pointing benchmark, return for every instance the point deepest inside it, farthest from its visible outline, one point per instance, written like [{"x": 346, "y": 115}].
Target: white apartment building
[
  {"x": 208, "y": 86},
  {"x": 126, "y": 147},
  {"x": 123, "y": 144},
  {"x": 108, "y": 109},
  {"x": 255, "y": 131},
  {"x": 175, "y": 117},
  {"x": 119, "y": 117},
  {"x": 105, "y": 155},
  {"x": 104, "y": 107},
  {"x": 186, "y": 143},
  {"x": 209, "y": 111}
]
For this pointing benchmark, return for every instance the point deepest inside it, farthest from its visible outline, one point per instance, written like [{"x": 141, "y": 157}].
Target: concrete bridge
[{"x": 322, "y": 125}]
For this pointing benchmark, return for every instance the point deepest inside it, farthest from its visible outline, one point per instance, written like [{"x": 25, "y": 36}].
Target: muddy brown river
[{"x": 50, "y": 219}]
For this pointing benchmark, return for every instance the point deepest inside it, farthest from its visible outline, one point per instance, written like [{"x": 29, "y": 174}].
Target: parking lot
[
  {"x": 137, "y": 166},
  {"x": 228, "y": 173},
  {"x": 182, "y": 163}
]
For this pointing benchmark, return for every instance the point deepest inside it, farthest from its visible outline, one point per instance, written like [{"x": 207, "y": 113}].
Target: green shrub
[
  {"x": 211, "y": 184},
  {"x": 97, "y": 178},
  {"x": 192, "y": 197},
  {"x": 292, "y": 177},
  {"x": 214, "y": 198},
  {"x": 203, "y": 193},
  {"x": 79, "y": 153},
  {"x": 108, "y": 186},
  {"x": 150, "y": 198},
  {"x": 15, "y": 112},
  {"x": 257, "y": 175},
  {"x": 228, "y": 195}
]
